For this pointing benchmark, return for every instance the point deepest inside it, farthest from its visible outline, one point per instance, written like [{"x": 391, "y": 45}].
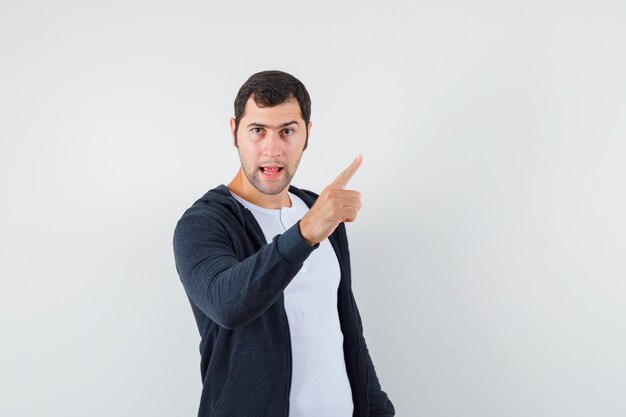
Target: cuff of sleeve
[{"x": 292, "y": 246}]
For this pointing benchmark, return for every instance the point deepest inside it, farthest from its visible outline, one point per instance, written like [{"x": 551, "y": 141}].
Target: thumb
[{"x": 342, "y": 180}]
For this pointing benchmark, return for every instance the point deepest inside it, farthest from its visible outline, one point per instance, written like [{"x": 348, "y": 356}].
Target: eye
[
  {"x": 257, "y": 130},
  {"x": 287, "y": 131}
]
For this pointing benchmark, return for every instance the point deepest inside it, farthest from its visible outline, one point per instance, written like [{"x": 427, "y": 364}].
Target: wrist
[{"x": 304, "y": 232}]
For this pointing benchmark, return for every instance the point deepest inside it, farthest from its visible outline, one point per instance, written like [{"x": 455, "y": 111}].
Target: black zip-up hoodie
[{"x": 234, "y": 280}]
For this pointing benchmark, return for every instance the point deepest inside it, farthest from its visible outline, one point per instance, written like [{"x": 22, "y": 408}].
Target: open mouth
[{"x": 271, "y": 171}]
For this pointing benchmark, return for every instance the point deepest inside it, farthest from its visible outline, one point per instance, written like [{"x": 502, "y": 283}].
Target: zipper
[
  {"x": 362, "y": 388},
  {"x": 289, "y": 359},
  {"x": 358, "y": 359},
  {"x": 342, "y": 245}
]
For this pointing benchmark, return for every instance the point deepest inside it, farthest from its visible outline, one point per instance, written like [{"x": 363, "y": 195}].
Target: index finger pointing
[{"x": 342, "y": 180}]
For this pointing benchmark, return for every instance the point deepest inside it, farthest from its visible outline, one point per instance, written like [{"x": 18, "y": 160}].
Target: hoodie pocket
[{"x": 254, "y": 385}]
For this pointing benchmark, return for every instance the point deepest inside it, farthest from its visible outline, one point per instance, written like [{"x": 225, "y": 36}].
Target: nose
[{"x": 272, "y": 144}]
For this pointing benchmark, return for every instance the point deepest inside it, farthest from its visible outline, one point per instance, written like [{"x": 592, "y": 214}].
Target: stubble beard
[{"x": 253, "y": 178}]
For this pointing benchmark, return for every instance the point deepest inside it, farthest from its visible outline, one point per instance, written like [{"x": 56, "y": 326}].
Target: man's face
[{"x": 270, "y": 142}]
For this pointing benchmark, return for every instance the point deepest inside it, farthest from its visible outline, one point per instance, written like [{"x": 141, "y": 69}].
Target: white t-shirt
[{"x": 319, "y": 384}]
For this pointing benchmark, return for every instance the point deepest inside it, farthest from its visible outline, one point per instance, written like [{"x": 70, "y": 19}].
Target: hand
[{"x": 334, "y": 205}]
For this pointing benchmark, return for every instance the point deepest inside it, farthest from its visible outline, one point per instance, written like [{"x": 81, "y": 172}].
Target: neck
[{"x": 242, "y": 187}]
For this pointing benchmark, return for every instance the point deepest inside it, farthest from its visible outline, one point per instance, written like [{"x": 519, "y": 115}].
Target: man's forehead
[{"x": 289, "y": 109}]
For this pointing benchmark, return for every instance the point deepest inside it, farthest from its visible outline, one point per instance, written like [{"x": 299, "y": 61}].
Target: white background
[{"x": 488, "y": 258}]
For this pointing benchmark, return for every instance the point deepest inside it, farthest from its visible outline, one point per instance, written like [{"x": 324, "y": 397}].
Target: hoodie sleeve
[{"x": 229, "y": 291}]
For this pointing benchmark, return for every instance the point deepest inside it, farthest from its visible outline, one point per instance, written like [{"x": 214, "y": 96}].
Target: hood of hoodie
[{"x": 221, "y": 196}]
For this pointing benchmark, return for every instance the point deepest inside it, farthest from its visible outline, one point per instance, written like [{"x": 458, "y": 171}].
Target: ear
[
  {"x": 232, "y": 131},
  {"x": 306, "y": 141}
]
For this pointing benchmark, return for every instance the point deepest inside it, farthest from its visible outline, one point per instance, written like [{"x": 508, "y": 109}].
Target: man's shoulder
[{"x": 215, "y": 203}]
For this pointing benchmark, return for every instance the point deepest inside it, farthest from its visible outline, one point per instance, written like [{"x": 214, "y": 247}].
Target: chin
[
  {"x": 268, "y": 189},
  {"x": 271, "y": 190}
]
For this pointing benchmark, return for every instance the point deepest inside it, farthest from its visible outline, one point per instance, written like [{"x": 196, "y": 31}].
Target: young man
[{"x": 266, "y": 268}]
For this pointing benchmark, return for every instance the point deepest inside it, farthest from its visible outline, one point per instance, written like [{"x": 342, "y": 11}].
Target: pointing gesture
[
  {"x": 342, "y": 180},
  {"x": 334, "y": 205}
]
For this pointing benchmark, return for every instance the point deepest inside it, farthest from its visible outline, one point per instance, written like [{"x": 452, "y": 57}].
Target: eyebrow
[{"x": 255, "y": 124}]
